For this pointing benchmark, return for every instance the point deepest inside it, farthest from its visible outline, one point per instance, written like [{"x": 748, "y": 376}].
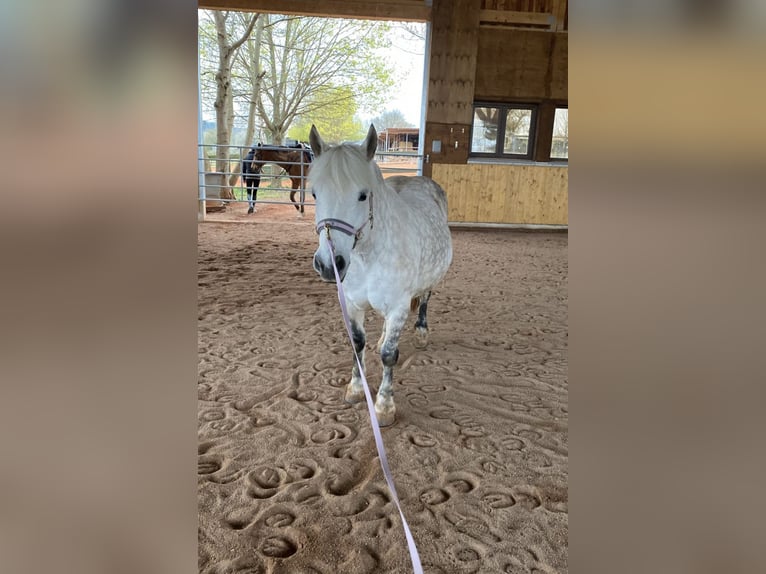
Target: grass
[{"x": 270, "y": 188}]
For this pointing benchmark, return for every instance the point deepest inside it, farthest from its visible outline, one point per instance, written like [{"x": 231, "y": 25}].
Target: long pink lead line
[{"x": 414, "y": 556}]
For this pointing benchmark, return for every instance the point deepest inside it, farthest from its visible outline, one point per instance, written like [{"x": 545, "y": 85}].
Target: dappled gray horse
[{"x": 390, "y": 243}]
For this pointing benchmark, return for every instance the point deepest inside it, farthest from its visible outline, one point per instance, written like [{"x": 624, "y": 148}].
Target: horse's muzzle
[{"x": 326, "y": 271}]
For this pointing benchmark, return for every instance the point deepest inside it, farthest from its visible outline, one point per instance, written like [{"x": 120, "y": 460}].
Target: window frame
[
  {"x": 502, "y": 120},
  {"x": 559, "y": 159}
]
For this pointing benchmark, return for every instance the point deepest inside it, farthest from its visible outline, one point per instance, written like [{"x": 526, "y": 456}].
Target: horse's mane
[{"x": 344, "y": 166}]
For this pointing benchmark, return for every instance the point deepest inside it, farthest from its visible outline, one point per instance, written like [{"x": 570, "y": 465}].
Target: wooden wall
[
  {"x": 533, "y": 68},
  {"x": 514, "y": 194},
  {"x": 452, "y": 71},
  {"x": 504, "y": 52}
]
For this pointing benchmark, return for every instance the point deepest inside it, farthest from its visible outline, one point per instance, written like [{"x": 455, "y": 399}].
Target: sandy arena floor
[{"x": 289, "y": 480}]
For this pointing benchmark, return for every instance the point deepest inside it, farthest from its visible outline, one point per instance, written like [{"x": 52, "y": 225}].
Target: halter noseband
[{"x": 344, "y": 227}]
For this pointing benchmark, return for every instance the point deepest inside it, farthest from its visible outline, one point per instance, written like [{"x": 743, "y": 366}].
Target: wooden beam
[
  {"x": 546, "y": 113},
  {"x": 452, "y": 62},
  {"x": 559, "y": 13},
  {"x": 408, "y": 10},
  {"x": 512, "y": 17}
]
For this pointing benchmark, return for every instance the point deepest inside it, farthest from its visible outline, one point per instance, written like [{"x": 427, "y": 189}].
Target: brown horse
[{"x": 295, "y": 160}]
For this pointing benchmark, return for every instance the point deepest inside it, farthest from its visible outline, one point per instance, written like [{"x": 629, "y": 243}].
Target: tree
[
  {"x": 228, "y": 42},
  {"x": 561, "y": 123},
  {"x": 412, "y": 31},
  {"x": 336, "y": 120},
  {"x": 390, "y": 119},
  {"x": 515, "y": 119},
  {"x": 308, "y": 64},
  {"x": 249, "y": 68},
  {"x": 294, "y": 71}
]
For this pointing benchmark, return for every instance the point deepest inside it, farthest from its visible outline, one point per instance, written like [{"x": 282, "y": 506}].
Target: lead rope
[{"x": 414, "y": 556}]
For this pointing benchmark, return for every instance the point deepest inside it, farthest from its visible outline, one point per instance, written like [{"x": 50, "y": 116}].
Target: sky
[{"x": 407, "y": 54}]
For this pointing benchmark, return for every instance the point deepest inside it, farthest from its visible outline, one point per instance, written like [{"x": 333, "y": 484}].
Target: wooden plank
[
  {"x": 453, "y": 190},
  {"x": 516, "y": 213},
  {"x": 513, "y": 17},
  {"x": 453, "y": 184},
  {"x": 499, "y": 187},
  {"x": 484, "y": 197},
  {"x": 539, "y": 6},
  {"x": 531, "y": 201},
  {"x": 560, "y": 181},
  {"x": 452, "y": 63},
  {"x": 560, "y": 10},
  {"x": 499, "y": 193},
  {"x": 463, "y": 190},
  {"x": 513, "y": 177},
  {"x": 472, "y": 195},
  {"x": 409, "y": 10}
]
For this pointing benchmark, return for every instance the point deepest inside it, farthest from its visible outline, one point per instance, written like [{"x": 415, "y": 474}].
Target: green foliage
[
  {"x": 325, "y": 69},
  {"x": 335, "y": 116},
  {"x": 209, "y": 137},
  {"x": 349, "y": 129}
]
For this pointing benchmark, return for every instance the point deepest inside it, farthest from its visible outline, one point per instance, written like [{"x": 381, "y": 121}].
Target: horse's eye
[{"x": 362, "y": 196}]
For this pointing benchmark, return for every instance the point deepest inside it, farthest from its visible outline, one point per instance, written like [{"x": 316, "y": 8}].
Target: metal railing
[{"x": 272, "y": 187}]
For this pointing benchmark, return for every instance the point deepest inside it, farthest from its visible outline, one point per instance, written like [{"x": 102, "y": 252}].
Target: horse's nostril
[{"x": 340, "y": 262}]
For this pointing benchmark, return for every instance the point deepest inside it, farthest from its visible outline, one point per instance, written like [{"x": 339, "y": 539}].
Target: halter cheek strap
[{"x": 343, "y": 227}]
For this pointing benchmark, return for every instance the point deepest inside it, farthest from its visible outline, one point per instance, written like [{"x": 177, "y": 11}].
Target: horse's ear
[
  {"x": 371, "y": 143},
  {"x": 317, "y": 145}
]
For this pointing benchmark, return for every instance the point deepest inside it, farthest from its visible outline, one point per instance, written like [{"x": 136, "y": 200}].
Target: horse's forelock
[{"x": 342, "y": 167}]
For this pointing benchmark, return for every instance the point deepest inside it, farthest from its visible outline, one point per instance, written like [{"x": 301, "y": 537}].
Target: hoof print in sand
[
  {"x": 498, "y": 500},
  {"x": 279, "y": 519},
  {"x": 278, "y": 547},
  {"x": 208, "y": 465}
]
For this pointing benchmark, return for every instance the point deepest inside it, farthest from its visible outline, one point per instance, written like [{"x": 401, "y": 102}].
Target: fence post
[
  {"x": 202, "y": 204},
  {"x": 303, "y": 182}
]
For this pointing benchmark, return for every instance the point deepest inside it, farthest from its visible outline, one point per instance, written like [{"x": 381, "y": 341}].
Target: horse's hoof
[
  {"x": 386, "y": 417},
  {"x": 421, "y": 337},
  {"x": 353, "y": 395},
  {"x": 250, "y": 210}
]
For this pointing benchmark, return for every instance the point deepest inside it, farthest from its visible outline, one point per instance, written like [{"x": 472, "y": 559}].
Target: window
[
  {"x": 560, "y": 141},
  {"x": 503, "y": 130}
]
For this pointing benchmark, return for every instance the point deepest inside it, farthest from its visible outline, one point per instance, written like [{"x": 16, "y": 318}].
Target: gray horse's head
[{"x": 342, "y": 179}]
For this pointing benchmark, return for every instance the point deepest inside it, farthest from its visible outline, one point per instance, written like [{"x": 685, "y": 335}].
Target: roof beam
[
  {"x": 559, "y": 13},
  {"x": 410, "y": 10},
  {"x": 513, "y": 17}
]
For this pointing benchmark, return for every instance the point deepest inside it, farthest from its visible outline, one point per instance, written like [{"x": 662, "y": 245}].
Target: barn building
[{"x": 496, "y": 89}]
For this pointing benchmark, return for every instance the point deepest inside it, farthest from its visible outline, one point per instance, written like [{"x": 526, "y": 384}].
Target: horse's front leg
[
  {"x": 389, "y": 355},
  {"x": 355, "y": 390},
  {"x": 296, "y": 183},
  {"x": 250, "y": 200},
  {"x": 256, "y": 183}
]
